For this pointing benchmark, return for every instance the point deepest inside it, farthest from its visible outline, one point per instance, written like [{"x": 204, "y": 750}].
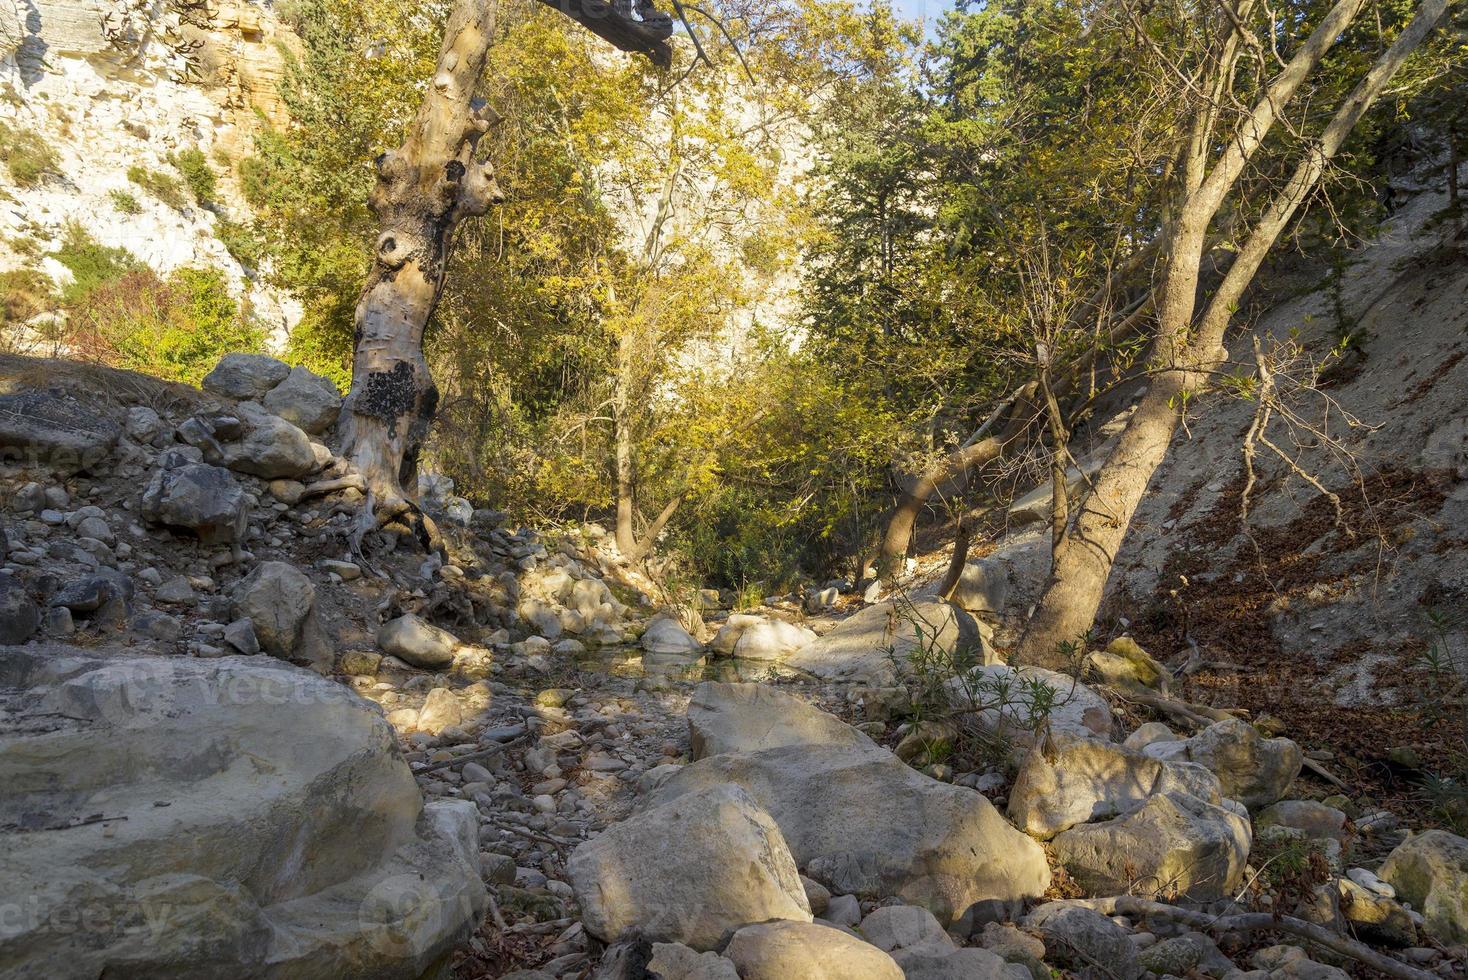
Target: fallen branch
[
  {"x": 1200, "y": 715},
  {"x": 352, "y": 481},
  {"x": 472, "y": 756},
  {"x": 1324, "y": 774},
  {"x": 1258, "y": 922}
]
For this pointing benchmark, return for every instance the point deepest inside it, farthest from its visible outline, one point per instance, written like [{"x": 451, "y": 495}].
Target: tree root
[{"x": 1257, "y": 922}]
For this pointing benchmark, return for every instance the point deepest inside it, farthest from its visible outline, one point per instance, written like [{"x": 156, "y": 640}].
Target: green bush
[
  {"x": 125, "y": 202},
  {"x": 196, "y": 174},
  {"x": 242, "y": 241},
  {"x": 91, "y": 263},
  {"x": 176, "y": 329},
  {"x": 26, "y": 155},
  {"x": 161, "y": 185}
]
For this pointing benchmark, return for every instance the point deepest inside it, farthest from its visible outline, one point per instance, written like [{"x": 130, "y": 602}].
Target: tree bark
[
  {"x": 1083, "y": 562},
  {"x": 424, "y": 189}
]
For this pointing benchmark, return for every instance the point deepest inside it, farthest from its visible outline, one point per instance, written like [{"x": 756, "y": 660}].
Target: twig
[
  {"x": 1257, "y": 922},
  {"x": 472, "y": 756},
  {"x": 494, "y": 913}
]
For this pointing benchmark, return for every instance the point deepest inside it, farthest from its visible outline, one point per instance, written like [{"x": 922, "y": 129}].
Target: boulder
[
  {"x": 1430, "y": 872},
  {"x": 411, "y": 639},
  {"x": 52, "y": 430},
  {"x": 665, "y": 636},
  {"x": 810, "y": 951},
  {"x": 1124, "y": 664},
  {"x": 751, "y": 717},
  {"x": 1081, "y": 938},
  {"x": 1149, "y": 732},
  {"x": 1253, "y": 769},
  {"x": 1014, "y": 701},
  {"x": 217, "y": 818},
  {"x": 674, "y": 961},
  {"x": 870, "y": 646},
  {"x": 20, "y": 617},
  {"x": 143, "y": 425},
  {"x": 269, "y": 447},
  {"x": 245, "y": 377},
  {"x": 863, "y": 823},
  {"x": 1067, "y": 780},
  {"x": 728, "y": 635},
  {"x": 772, "y": 640},
  {"x": 900, "y": 926},
  {"x": 197, "y": 497},
  {"x": 690, "y": 870},
  {"x": 936, "y": 961},
  {"x": 306, "y": 400},
  {"x": 1173, "y": 845},
  {"x": 1316, "y": 819},
  {"x": 983, "y": 586},
  {"x": 280, "y": 602}
]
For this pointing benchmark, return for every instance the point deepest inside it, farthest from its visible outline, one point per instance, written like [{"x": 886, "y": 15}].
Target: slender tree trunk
[
  {"x": 626, "y": 534},
  {"x": 1084, "y": 559}
]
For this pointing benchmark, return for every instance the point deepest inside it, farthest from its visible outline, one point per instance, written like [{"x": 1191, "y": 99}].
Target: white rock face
[
  {"x": 870, "y": 646},
  {"x": 751, "y": 717},
  {"x": 772, "y": 640},
  {"x": 105, "y": 85},
  {"x": 731, "y": 867},
  {"x": 262, "y": 823}
]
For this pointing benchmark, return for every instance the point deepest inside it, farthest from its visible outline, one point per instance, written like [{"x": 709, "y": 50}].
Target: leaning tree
[{"x": 425, "y": 189}]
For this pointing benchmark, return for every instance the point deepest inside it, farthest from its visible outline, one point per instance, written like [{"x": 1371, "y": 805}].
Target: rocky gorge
[{"x": 237, "y": 743}]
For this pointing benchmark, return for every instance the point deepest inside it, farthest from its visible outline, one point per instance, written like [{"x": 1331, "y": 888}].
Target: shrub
[
  {"x": 26, "y": 155},
  {"x": 125, "y": 202},
  {"x": 196, "y": 174},
  {"x": 162, "y": 186},
  {"x": 175, "y": 329},
  {"x": 241, "y": 240},
  {"x": 23, "y": 294},
  {"x": 91, "y": 263}
]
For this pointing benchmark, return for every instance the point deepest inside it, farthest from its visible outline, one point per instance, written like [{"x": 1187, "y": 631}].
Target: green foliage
[
  {"x": 91, "y": 263},
  {"x": 176, "y": 329},
  {"x": 165, "y": 187},
  {"x": 125, "y": 202},
  {"x": 26, "y": 155},
  {"x": 242, "y": 241},
  {"x": 197, "y": 175}
]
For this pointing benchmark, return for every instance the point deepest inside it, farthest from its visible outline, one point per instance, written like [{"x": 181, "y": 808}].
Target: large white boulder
[
  {"x": 809, "y": 951},
  {"x": 245, "y": 376},
  {"x": 773, "y": 639},
  {"x": 1430, "y": 872},
  {"x": 854, "y": 816},
  {"x": 689, "y": 871},
  {"x": 873, "y": 646},
  {"x": 1066, "y": 780},
  {"x": 665, "y": 636},
  {"x": 1253, "y": 769},
  {"x": 217, "y": 819},
  {"x": 749, "y": 717}
]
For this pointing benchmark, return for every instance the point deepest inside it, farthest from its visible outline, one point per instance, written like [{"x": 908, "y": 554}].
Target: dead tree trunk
[
  {"x": 424, "y": 189},
  {"x": 1188, "y": 351}
]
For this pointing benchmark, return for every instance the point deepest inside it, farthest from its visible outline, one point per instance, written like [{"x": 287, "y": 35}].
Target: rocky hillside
[
  {"x": 107, "y": 94},
  {"x": 250, "y": 743}
]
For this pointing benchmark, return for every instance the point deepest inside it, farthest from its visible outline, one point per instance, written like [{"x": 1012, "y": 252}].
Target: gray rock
[
  {"x": 87, "y": 594},
  {"x": 142, "y": 425},
  {"x": 667, "y": 637},
  {"x": 176, "y": 591},
  {"x": 751, "y": 717},
  {"x": 786, "y": 950},
  {"x": 275, "y": 829},
  {"x": 411, "y": 639},
  {"x": 1253, "y": 769},
  {"x": 843, "y": 910},
  {"x": 280, "y": 602},
  {"x": 1080, "y": 938},
  {"x": 772, "y": 640},
  {"x": 938, "y": 962},
  {"x": 674, "y": 961},
  {"x": 270, "y": 448},
  {"x": 52, "y": 430},
  {"x": 899, "y": 926},
  {"x": 863, "y": 823},
  {"x": 1175, "y": 956},
  {"x": 1066, "y": 780},
  {"x": 732, "y": 868},
  {"x": 1174, "y": 843},
  {"x": 306, "y": 400},
  {"x": 1428, "y": 871},
  {"x": 20, "y": 617},
  {"x": 1315, "y": 819},
  {"x": 240, "y": 635},
  {"x": 197, "y": 497},
  {"x": 245, "y": 376},
  {"x": 97, "y": 529},
  {"x": 29, "y": 498},
  {"x": 983, "y": 586}
]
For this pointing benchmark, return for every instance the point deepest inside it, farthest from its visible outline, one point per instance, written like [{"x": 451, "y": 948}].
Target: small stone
[
  {"x": 843, "y": 910},
  {"x": 346, "y": 570},
  {"x": 360, "y": 663},
  {"x": 240, "y": 635},
  {"x": 816, "y": 894},
  {"x": 176, "y": 591}
]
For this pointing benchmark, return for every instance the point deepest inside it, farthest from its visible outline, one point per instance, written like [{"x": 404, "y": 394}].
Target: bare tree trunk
[
  {"x": 424, "y": 189},
  {"x": 1084, "y": 559},
  {"x": 625, "y": 534}
]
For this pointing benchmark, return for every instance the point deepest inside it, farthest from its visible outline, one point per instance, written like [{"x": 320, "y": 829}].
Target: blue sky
[{"x": 929, "y": 10}]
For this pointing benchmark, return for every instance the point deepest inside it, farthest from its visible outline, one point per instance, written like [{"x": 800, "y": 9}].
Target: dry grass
[{"x": 103, "y": 388}]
